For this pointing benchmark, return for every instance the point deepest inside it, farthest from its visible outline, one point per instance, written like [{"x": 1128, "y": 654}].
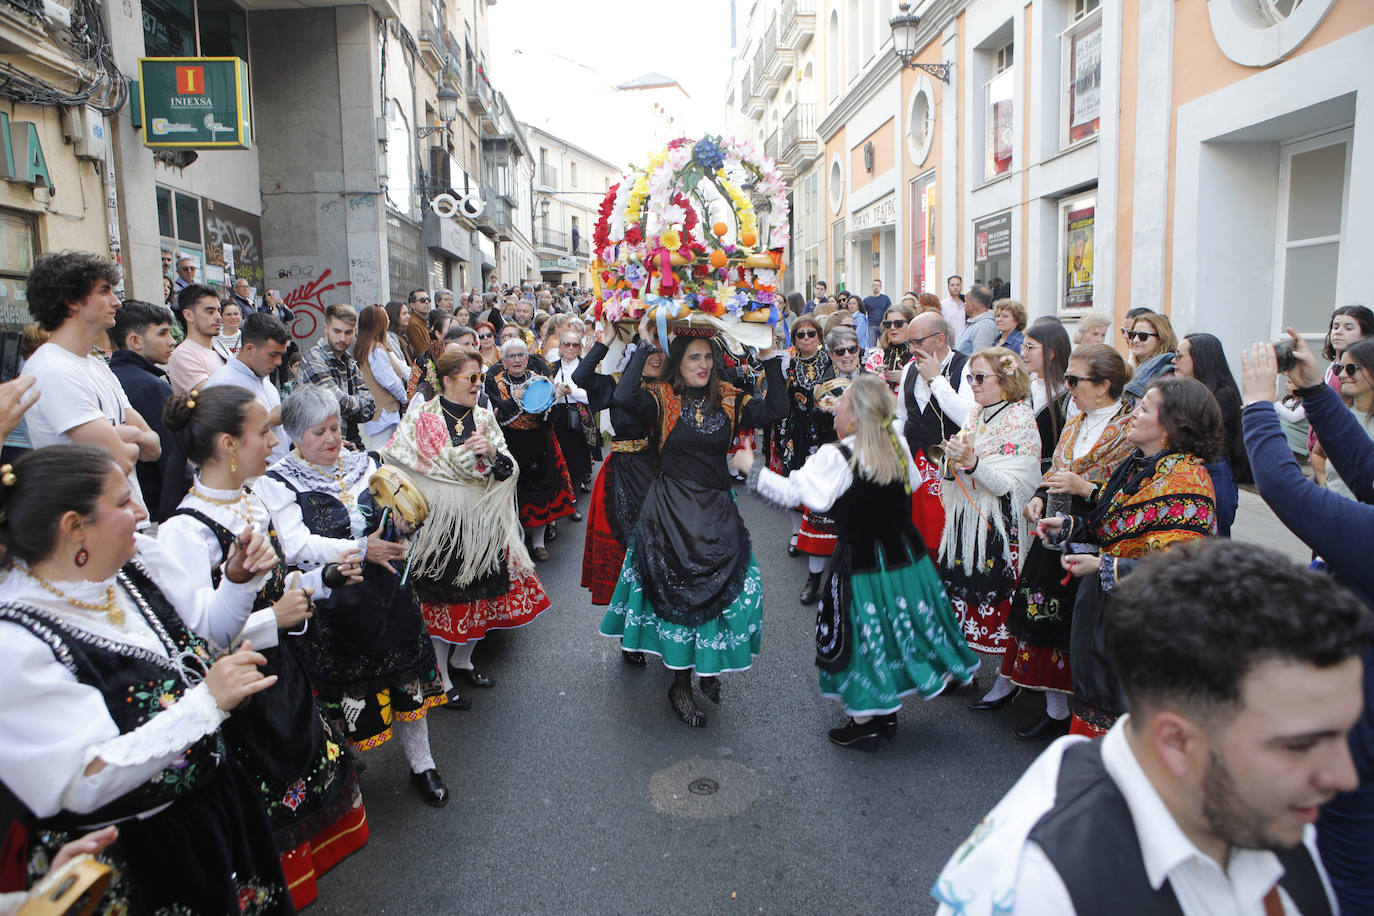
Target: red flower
[
  {"x": 1151, "y": 513},
  {"x": 634, "y": 235},
  {"x": 430, "y": 435},
  {"x": 1176, "y": 509}
]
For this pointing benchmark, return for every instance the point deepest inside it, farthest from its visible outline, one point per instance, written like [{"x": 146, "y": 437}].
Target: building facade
[
  {"x": 1199, "y": 159},
  {"x": 569, "y": 185}
]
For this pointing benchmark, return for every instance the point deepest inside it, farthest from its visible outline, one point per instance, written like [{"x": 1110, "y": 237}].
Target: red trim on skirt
[
  {"x": 459, "y": 623},
  {"x": 317, "y": 855},
  {"x": 1038, "y": 667},
  {"x": 743, "y": 439},
  {"x": 564, "y": 502},
  {"x": 602, "y": 554},
  {"x": 1078, "y": 727},
  {"x": 816, "y": 537}
]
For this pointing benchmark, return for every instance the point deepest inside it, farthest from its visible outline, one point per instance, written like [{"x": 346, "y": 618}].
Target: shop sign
[
  {"x": 194, "y": 103},
  {"x": 557, "y": 264},
  {"x": 879, "y": 213},
  {"x": 21, "y": 153},
  {"x": 992, "y": 239}
]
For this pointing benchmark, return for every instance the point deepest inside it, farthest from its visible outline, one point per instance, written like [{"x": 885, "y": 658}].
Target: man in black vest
[
  {"x": 1241, "y": 675},
  {"x": 933, "y": 396}
]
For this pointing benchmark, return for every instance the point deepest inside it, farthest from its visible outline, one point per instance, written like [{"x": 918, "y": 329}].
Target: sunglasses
[
  {"x": 920, "y": 340},
  {"x": 423, "y": 299},
  {"x": 804, "y": 335},
  {"x": 978, "y": 378},
  {"x": 899, "y": 323},
  {"x": 1073, "y": 380},
  {"x": 1348, "y": 368},
  {"x": 571, "y": 343},
  {"x": 846, "y": 351},
  {"x": 1141, "y": 336},
  {"x": 484, "y": 336},
  {"x": 472, "y": 378}
]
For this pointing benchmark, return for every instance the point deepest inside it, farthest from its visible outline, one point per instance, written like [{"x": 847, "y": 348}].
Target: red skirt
[
  {"x": 458, "y": 623},
  {"x": 1038, "y": 667},
  {"x": 602, "y": 554},
  {"x": 818, "y": 534},
  {"x": 317, "y": 855},
  {"x": 743, "y": 439},
  {"x": 564, "y": 501},
  {"x": 927, "y": 510}
]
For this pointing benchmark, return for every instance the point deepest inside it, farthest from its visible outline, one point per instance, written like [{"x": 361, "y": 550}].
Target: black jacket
[{"x": 147, "y": 388}]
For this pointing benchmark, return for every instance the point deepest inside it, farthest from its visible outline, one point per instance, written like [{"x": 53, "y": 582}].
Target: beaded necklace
[{"x": 109, "y": 607}]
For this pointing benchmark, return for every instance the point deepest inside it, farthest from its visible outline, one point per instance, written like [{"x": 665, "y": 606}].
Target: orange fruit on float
[
  {"x": 747, "y": 239},
  {"x": 718, "y": 258},
  {"x": 720, "y": 229}
]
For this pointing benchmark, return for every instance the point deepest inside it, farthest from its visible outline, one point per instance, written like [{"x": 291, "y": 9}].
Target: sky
[{"x": 557, "y": 61}]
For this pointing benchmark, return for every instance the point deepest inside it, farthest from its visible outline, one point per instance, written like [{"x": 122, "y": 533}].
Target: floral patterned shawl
[
  {"x": 471, "y": 513},
  {"x": 1158, "y": 501}
]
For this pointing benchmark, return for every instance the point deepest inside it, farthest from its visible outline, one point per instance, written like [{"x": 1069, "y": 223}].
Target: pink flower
[
  {"x": 430, "y": 435},
  {"x": 295, "y": 794}
]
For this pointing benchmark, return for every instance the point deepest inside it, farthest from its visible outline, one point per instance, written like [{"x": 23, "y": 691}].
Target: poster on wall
[
  {"x": 1085, "y": 92},
  {"x": 923, "y": 234},
  {"x": 1078, "y": 245},
  {"x": 992, "y": 254},
  {"x": 233, "y": 241}
]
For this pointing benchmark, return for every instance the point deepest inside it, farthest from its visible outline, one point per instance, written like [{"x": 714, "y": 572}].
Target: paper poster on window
[
  {"x": 1078, "y": 291},
  {"x": 1085, "y": 96}
]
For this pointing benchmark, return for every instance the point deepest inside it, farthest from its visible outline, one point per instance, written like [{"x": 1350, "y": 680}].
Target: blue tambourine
[{"x": 538, "y": 396}]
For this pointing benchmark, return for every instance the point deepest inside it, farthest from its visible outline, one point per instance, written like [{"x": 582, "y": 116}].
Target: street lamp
[
  {"x": 447, "y": 100},
  {"x": 904, "y": 26}
]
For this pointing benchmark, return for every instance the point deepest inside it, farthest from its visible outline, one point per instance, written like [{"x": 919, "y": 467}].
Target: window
[
  {"x": 853, "y": 27},
  {"x": 1081, "y": 78},
  {"x": 1076, "y": 238},
  {"x": 170, "y": 29},
  {"x": 833, "y": 46},
  {"x": 992, "y": 254},
  {"x": 18, "y": 248},
  {"x": 836, "y": 182},
  {"x": 998, "y": 121},
  {"x": 572, "y": 174},
  {"x": 810, "y": 231},
  {"x": 837, "y": 255},
  {"x": 1315, "y": 176},
  {"x": 924, "y": 272},
  {"x": 870, "y": 28},
  {"x": 920, "y": 120}
]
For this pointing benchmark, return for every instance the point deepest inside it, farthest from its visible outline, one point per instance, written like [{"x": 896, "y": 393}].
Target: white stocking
[
  {"x": 1056, "y": 705},
  {"x": 462, "y": 654},
  {"x": 1000, "y": 688},
  {"x": 441, "y": 655},
  {"x": 815, "y": 564},
  {"x": 537, "y": 537},
  {"x": 796, "y": 522},
  {"x": 414, "y": 737}
]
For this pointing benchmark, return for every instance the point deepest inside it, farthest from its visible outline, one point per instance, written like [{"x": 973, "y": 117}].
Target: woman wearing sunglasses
[
  {"x": 1349, "y": 324},
  {"x": 797, "y": 435},
  {"x": 1200, "y": 356},
  {"x": 1159, "y": 497},
  {"x": 1355, "y": 371},
  {"x": 892, "y": 342},
  {"x": 993, "y": 468},
  {"x": 1152, "y": 343},
  {"x": 885, "y": 629},
  {"x": 468, "y": 561},
  {"x": 1091, "y": 447}
]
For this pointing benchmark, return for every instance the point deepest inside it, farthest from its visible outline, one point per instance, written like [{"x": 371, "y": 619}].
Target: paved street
[{"x": 571, "y": 778}]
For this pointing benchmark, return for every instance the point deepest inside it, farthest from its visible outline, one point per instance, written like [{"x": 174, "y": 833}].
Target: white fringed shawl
[
  {"x": 1008, "y": 450},
  {"x": 472, "y": 515}
]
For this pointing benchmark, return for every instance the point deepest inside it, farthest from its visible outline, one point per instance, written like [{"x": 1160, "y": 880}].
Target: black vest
[
  {"x": 1091, "y": 840},
  {"x": 928, "y": 427}
]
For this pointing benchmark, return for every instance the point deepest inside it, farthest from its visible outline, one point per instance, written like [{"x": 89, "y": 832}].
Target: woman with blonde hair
[
  {"x": 1152, "y": 343},
  {"x": 1092, "y": 329},
  {"x": 993, "y": 468},
  {"x": 885, "y": 628}
]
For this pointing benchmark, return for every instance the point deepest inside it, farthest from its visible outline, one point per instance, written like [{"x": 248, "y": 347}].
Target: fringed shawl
[
  {"x": 472, "y": 515},
  {"x": 1008, "y": 451}
]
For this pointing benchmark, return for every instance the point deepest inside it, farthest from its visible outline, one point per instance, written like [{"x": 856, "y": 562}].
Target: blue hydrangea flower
[{"x": 708, "y": 154}]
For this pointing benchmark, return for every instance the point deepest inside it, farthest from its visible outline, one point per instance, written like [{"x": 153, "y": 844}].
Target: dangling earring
[
  {"x": 82, "y": 556},
  {"x": 233, "y": 459}
]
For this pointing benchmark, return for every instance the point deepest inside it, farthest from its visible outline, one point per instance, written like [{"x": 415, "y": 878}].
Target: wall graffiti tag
[
  {"x": 226, "y": 225},
  {"x": 307, "y": 301}
]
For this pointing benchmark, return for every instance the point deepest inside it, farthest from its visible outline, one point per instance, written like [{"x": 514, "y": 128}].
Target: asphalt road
[{"x": 573, "y": 782}]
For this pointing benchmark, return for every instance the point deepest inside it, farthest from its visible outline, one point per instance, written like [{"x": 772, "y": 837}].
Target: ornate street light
[
  {"x": 904, "y": 26},
  {"x": 447, "y": 100}
]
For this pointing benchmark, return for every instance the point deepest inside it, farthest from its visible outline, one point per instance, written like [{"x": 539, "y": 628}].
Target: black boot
[
  {"x": 812, "y": 589},
  {"x": 683, "y": 701},
  {"x": 710, "y": 687},
  {"x": 888, "y": 725},
  {"x": 633, "y": 658},
  {"x": 860, "y": 735}
]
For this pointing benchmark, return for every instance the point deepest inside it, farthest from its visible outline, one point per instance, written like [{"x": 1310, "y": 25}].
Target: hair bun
[{"x": 177, "y": 412}]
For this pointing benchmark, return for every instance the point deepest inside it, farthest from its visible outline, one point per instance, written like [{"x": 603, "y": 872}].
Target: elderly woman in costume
[
  {"x": 283, "y": 738},
  {"x": 885, "y": 629},
  {"x": 690, "y": 591},
  {"x": 1092, "y": 446},
  {"x": 1159, "y": 497},
  {"x": 367, "y": 646},
  {"x": 623, "y": 481},
  {"x": 468, "y": 561},
  {"x": 118, "y": 678},
  {"x": 545, "y": 486},
  {"x": 993, "y": 468},
  {"x": 797, "y": 435}
]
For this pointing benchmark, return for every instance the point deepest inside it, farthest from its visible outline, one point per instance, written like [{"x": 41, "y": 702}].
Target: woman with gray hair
[{"x": 367, "y": 647}]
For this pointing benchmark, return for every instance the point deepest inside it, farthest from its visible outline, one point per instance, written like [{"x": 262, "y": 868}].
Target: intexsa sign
[
  {"x": 21, "y": 153},
  {"x": 194, "y": 103}
]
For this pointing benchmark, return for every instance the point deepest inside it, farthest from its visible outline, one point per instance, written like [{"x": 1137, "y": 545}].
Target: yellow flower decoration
[
  {"x": 671, "y": 240},
  {"x": 331, "y": 750}
]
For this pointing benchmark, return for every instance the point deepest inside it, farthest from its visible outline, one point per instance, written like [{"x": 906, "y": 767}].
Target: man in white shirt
[
  {"x": 71, "y": 294},
  {"x": 1242, "y": 679},
  {"x": 195, "y": 358},
  {"x": 980, "y": 332},
  {"x": 933, "y": 395},
  {"x": 952, "y": 309},
  {"x": 263, "y": 345}
]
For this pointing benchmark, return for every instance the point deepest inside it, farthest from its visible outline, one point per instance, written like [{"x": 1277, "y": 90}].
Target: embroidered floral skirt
[
  {"x": 602, "y": 554},
  {"x": 728, "y": 642},
  {"x": 1039, "y": 623},
  {"x": 981, "y": 594},
  {"x": 458, "y": 623},
  {"x": 817, "y": 535},
  {"x": 906, "y": 640}
]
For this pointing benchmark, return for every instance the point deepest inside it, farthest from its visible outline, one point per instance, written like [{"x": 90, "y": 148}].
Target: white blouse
[
  {"x": 55, "y": 726},
  {"x": 301, "y": 547},
  {"x": 824, "y": 478}
]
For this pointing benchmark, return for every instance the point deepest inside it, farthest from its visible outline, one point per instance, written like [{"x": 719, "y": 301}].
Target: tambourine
[
  {"x": 75, "y": 889},
  {"x": 393, "y": 490},
  {"x": 538, "y": 395},
  {"x": 829, "y": 391}
]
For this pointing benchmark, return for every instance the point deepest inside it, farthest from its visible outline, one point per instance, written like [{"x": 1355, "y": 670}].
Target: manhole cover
[{"x": 702, "y": 788}]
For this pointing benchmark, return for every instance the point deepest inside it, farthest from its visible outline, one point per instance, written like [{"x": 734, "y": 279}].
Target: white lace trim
[{"x": 168, "y": 733}]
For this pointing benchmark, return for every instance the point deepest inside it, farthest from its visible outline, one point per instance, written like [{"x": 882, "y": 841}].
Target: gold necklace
[
  {"x": 109, "y": 606},
  {"x": 345, "y": 497},
  {"x": 456, "y": 419},
  {"x": 233, "y": 505}
]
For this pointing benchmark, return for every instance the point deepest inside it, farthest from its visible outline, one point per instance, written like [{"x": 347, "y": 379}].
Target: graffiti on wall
[
  {"x": 306, "y": 299},
  {"x": 224, "y": 225}
]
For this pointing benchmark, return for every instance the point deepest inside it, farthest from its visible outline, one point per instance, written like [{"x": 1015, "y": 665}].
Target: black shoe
[
  {"x": 633, "y": 658},
  {"x": 472, "y": 676},
  {"x": 792, "y": 550},
  {"x": 862, "y": 736},
  {"x": 1044, "y": 729},
  {"x": 684, "y": 704},
  {"x": 586, "y": 486},
  {"x": 541, "y": 554},
  {"x": 551, "y": 532},
  {"x": 812, "y": 589},
  {"x": 888, "y": 725},
  {"x": 430, "y": 787},
  {"x": 577, "y": 516},
  {"x": 992, "y": 705},
  {"x": 710, "y": 687},
  {"x": 456, "y": 701}
]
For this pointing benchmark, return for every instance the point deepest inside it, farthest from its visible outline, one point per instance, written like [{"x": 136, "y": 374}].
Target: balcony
[
  {"x": 480, "y": 98},
  {"x": 432, "y": 45},
  {"x": 798, "y": 23},
  {"x": 761, "y": 87},
  {"x": 546, "y": 176},
  {"x": 579, "y": 247},
  {"x": 546, "y": 239},
  {"x": 780, "y": 58},
  {"x": 751, "y": 102},
  {"x": 799, "y": 145},
  {"x": 770, "y": 146},
  {"x": 496, "y": 220}
]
